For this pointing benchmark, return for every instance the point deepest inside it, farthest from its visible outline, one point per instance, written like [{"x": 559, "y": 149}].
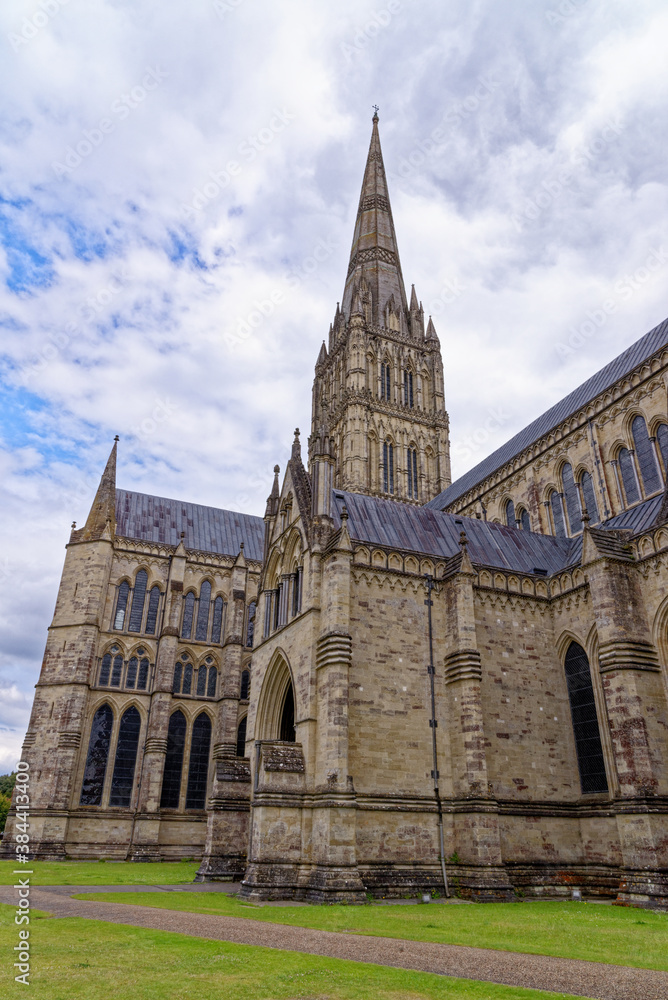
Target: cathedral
[{"x": 392, "y": 683}]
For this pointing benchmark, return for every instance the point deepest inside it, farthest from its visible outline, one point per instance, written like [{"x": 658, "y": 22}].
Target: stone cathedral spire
[{"x": 378, "y": 392}]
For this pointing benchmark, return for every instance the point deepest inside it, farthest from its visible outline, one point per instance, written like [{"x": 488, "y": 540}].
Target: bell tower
[{"x": 378, "y": 391}]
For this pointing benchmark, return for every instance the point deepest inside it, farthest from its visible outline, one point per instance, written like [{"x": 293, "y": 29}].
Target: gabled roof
[
  {"x": 390, "y": 523},
  {"x": 643, "y": 349},
  {"x": 209, "y": 529}
]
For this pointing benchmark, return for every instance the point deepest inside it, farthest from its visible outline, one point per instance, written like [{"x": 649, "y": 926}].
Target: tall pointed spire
[
  {"x": 374, "y": 271},
  {"x": 103, "y": 510}
]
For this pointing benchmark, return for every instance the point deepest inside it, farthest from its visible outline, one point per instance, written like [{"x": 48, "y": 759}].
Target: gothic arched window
[
  {"x": 558, "y": 519},
  {"x": 187, "y": 677},
  {"x": 589, "y": 496},
  {"x": 171, "y": 778},
  {"x": 510, "y": 513},
  {"x": 121, "y": 605},
  {"x": 188, "y": 612},
  {"x": 198, "y": 770},
  {"x": 217, "y": 623},
  {"x": 201, "y": 681},
  {"x": 245, "y": 684},
  {"x": 202, "y": 629},
  {"x": 412, "y": 473},
  {"x": 126, "y": 758},
  {"x": 131, "y": 676},
  {"x": 250, "y": 624},
  {"x": 585, "y": 721},
  {"x": 287, "y": 730},
  {"x": 105, "y": 667},
  {"x": 408, "y": 389},
  {"x": 152, "y": 613},
  {"x": 649, "y": 472},
  {"x": 662, "y": 439},
  {"x": 213, "y": 680},
  {"x": 627, "y": 469},
  {"x": 385, "y": 381},
  {"x": 116, "y": 671},
  {"x": 571, "y": 497},
  {"x": 241, "y": 737},
  {"x": 138, "y": 598},
  {"x": 388, "y": 467},
  {"x": 524, "y": 519},
  {"x": 96, "y": 760}
]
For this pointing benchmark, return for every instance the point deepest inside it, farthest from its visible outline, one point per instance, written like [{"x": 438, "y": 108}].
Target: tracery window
[
  {"x": 201, "y": 683},
  {"x": 114, "y": 657},
  {"x": 589, "y": 496},
  {"x": 385, "y": 381},
  {"x": 152, "y": 613},
  {"x": 188, "y": 612},
  {"x": 557, "y": 509},
  {"x": 245, "y": 684},
  {"x": 524, "y": 519},
  {"x": 510, "y": 513},
  {"x": 241, "y": 737},
  {"x": 408, "y": 388},
  {"x": 649, "y": 472},
  {"x": 96, "y": 759},
  {"x": 217, "y": 624},
  {"x": 662, "y": 440},
  {"x": 198, "y": 769},
  {"x": 137, "y": 673},
  {"x": 121, "y": 605},
  {"x": 588, "y": 746},
  {"x": 213, "y": 680},
  {"x": 171, "y": 778},
  {"x": 412, "y": 473},
  {"x": 388, "y": 467},
  {"x": 572, "y": 499},
  {"x": 126, "y": 758},
  {"x": 138, "y": 598},
  {"x": 202, "y": 628},
  {"x": 628, "y": 472}
]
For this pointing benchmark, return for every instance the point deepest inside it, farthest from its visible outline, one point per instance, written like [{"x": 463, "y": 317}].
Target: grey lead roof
[
  {"x": 209, "y": 529},
  {"x": 622, "y": 365}
]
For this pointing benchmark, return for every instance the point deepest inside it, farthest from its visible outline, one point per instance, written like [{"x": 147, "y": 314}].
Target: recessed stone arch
[{"x": 277, "y": 688}]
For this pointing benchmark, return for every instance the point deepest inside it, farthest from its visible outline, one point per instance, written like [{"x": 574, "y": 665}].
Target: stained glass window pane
[
  {"x": 188, "y": 611},
  {"x": 138, "y": 597},
  {"x": 199, "y": 762},
  {"x": 525, "y": 520},
  {"x": 646, "y": 460},
  {"x": 126, "y": 758},
  {"x": 245, "y": 684},
  {"x": 385, "y": 468},
  {"x": 589, "y": 497},
  {"x": 558, "y": 515},
  {"x": 241, "y": 738},
  {"x": 510, "y": 514},
  {"x": 390, "y": 456},
  {"x": 143, "y": 675},
  {"x": 250, "y": 628},
  {"x": 201, "y": 681},
  {"x": 202, "y": 629},
  {"x": 176, "y": 686},
  {"x": 131, "y": 676},
  {"x": 121, "y": 604},
  {"x": 585, "y": 721},
  {"x": 662, "y": 438},
  {"x": 572, "y": 499},
  {"x": 171, "y": 779},
  {"x": 98, "y": 753},
  {"x": 152, "y": 613},
  {"x": 117, "y": 671},
  {"x": 217, "y": 624},
  {"x": 105, "y": 669},
  {"x": 415, "y": 475},
  {"x": 187, "y": 678},
  {"x": 211, "y": 686},
  {"x": 628, "y": 476}
]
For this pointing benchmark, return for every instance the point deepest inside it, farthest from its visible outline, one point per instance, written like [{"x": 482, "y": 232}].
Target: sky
[{"x": 178, "y": 187}]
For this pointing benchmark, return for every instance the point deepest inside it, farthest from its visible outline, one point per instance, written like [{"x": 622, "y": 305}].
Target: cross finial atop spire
[{"x": 375, "y": 113}]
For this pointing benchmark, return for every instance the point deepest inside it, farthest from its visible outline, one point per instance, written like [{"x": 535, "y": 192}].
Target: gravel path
[{"x": 560, "y": 975}]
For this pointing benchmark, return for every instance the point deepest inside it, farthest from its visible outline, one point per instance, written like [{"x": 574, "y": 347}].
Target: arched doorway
[
  {"x": 287, "y": 728},
  {"x": 275, "y": 718}
]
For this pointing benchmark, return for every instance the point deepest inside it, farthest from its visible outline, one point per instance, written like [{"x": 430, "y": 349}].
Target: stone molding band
[
  {"x": 628, "y": 656},
  {"x": 334, "y": 649},
  {"x": 68, "y": 741},
  {"x": 155, "y": 744},
  {"x": 465, "y": 665}
]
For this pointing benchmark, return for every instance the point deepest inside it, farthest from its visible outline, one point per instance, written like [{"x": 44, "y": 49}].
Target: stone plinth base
[
  {"x": 645, "y": 889},
  {"x": 222, "y": 868},
  {"x": 310, "y": 883}
]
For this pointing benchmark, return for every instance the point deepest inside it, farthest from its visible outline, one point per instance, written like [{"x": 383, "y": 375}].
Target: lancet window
[
  {"x": 628, "y": 474},
  {"x": 201, "y": 614},
  {"x": 386, "y": 381},
  {"x": 198, "y": 762},
  {"x": 408, "y": 388},
  {"x": 126, "y": 758},
  {"x": 388, "y": 467},
  {"x": 201, "y": 683},
  {"x": 96, "y": 759},
  {"x": 591, "y": 763},
  {"x": 241, "y": 737},
  {"x": 198, "y": 770},
  {"x": 649, "y": 470},
  {"x": 412, "y": 473},
  {"x": 510, "y": 513},
  {"x": 133, "y": 613},
  {"x": 589, "y": 496},
  {"x": 557, "y": 511}
]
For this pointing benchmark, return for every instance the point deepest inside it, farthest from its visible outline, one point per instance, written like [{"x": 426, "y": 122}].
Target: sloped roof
[
  {"x": 377, "y": 521},
  {"x": 209, "y": 529},
  {"x": 598, "y": 383}
]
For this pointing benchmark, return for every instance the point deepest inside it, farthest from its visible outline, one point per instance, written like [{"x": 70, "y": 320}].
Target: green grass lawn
[
  {"x": 590, "y": 931},
  {"x": 102, "y": 872},
  {"x": 76, "y": 959}
]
